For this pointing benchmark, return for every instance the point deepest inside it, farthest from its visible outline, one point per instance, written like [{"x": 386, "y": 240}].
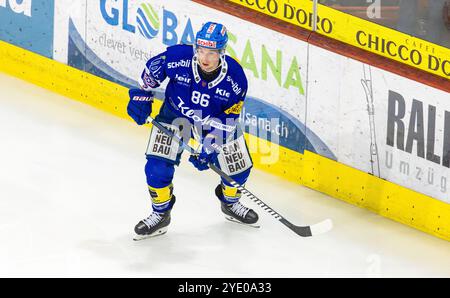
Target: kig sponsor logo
[
  {"x": 222, "y": 92},
  {"x": 18, "y": 6}
]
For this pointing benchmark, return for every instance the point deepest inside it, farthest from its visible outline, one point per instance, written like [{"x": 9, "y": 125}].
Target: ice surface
[{"x": 72, "y": 187}]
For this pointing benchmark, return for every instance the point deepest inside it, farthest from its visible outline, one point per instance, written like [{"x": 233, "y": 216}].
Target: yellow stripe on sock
[{"x": 161, "y": 195}]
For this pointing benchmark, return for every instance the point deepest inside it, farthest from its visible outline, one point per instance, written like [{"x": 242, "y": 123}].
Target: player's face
[{"x": 208, "y": 59}]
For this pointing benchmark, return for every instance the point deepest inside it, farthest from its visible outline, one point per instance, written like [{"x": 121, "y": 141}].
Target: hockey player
[{"x": 203, "y": 99}]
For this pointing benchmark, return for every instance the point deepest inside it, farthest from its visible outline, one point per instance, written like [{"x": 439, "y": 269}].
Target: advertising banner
[
  {"x": 358, "y": 32},
  {"x": 383, "y": 124},
  {"x": 28, "y": 24}
]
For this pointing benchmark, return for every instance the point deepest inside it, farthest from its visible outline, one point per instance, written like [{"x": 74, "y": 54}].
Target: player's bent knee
[
  {"x": 240, "y": 178},
  {"x": 159, "y": 172}
]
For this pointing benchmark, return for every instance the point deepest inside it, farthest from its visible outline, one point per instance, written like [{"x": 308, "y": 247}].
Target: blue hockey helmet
[{"x": 212, "y": 36}]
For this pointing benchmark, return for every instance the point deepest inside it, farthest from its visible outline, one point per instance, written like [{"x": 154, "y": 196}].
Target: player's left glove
[
  {"x": 209, "y": 153},
  {"x": 140, "y": 105}
]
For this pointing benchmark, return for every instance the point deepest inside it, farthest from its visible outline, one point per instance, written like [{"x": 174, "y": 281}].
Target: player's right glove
[
  {"x": 208, "y": 154},
  {"x": 140, "y": 105}
]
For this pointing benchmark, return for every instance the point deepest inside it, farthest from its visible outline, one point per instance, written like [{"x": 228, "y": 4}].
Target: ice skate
[
  {"x": 237, "y": 212},
  {"x": 154, "y": 225}
]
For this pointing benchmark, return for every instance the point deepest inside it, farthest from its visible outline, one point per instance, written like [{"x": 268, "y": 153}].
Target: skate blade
[
  {"x": 255, "y": 225},
  {"x": 157, "y": 233}
]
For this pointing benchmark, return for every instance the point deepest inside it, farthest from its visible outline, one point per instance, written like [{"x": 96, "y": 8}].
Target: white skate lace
[
  {"x": 239, "y": 209},
  {"x": 152, "y": 220}
]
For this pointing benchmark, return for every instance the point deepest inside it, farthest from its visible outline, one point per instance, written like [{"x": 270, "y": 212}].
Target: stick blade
[{"x": 322, "y": 227}]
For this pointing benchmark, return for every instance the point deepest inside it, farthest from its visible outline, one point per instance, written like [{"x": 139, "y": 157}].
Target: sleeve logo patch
[{"x": 235, "y": 109}]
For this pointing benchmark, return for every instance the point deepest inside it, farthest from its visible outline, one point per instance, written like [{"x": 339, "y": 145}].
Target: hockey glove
[
  {"x": 209, "y": 153},
  {"x": 140, "y": 105}
]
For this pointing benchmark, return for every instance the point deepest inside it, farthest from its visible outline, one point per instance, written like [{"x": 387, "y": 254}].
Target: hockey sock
[
  {"x": 161, "y": 198},
  {"x": 230, "y": 194}
]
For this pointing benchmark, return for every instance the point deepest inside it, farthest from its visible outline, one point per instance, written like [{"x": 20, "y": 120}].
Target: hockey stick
[{"x": 303, "y": 231}]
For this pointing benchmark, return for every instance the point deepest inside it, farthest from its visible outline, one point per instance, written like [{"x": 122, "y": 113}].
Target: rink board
[
  {"x": 363, "y": 34},
  {"x": 101, "y": 47},
  {"x": 310, "y": 169},
  {"x": 383, "y": 124},
  {"x": 28, "y": 24}
]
